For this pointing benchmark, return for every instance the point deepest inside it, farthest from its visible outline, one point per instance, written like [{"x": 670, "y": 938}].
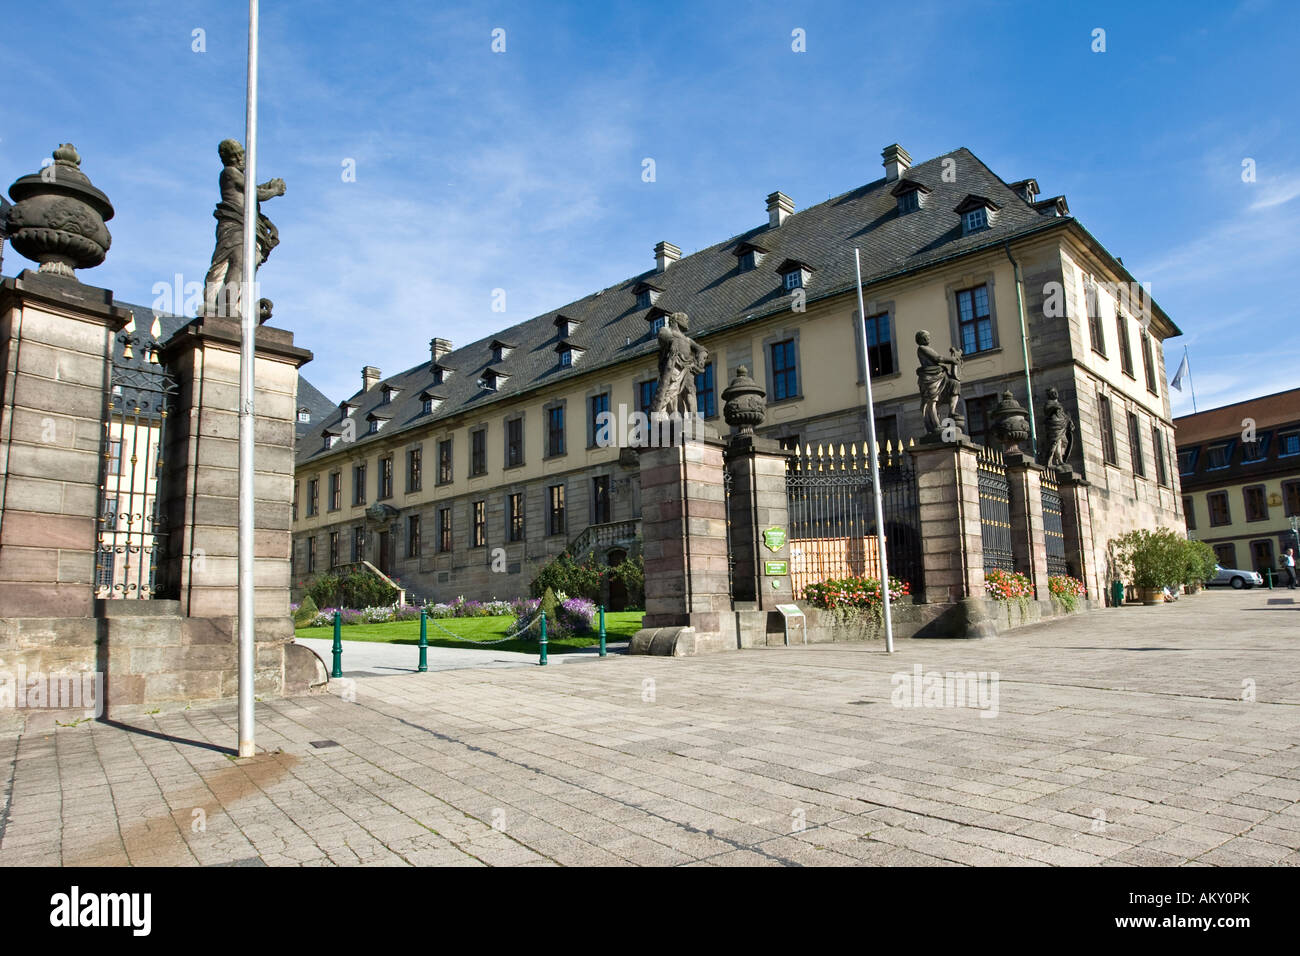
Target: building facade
[
  {"x": 1240, "y": 470},
  {"x": 464, "y": 474}
]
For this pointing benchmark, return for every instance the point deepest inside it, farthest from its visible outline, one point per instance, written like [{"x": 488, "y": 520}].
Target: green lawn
[{"x": 619, "y": 626}]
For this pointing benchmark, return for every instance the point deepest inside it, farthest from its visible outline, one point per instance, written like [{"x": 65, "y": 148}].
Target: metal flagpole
[
  {"x": 248, "y": 329},
  {"x": 1190, "y": 382},
  {"x": 872, "y": 453}
]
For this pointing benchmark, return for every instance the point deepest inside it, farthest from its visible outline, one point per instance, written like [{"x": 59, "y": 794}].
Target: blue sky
[{"x": 522, "y": 170}]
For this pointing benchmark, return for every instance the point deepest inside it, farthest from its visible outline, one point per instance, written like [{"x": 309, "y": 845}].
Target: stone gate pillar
[
  {"x": 1076, "y": 522},
  {"x": 1028, "y": 544},
  {"x": 684, "y": 542},
  {"x": 201, "y": 492},
  {"x": 759, "y": 502},
  {"x": 56, "y": 344},
  {"x": 952, "y": 542}
]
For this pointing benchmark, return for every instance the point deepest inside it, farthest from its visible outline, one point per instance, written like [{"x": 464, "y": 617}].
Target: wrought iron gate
[
  {"x": 833, "y": 517},
  {"x": 1053, "y": 526},
  {"x": 132, "y": 530},
  {"x": 995, "y": 511}
]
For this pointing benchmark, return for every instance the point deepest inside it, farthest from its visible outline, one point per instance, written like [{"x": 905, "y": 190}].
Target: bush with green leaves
[
  {"x": 1151, "y": 559},
  {"x": 353, "y": 589},
  {"x": 305, "y": 612},
  {"x": 631, "y": 572},
  {"x": 563, "y": 573},
  {"x": 1198, "y": 563}
]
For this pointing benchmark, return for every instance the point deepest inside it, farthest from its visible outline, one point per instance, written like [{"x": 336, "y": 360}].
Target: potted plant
[
  {"x": 1198, "y": 565},
  {"x": 1152, "y": 560}
]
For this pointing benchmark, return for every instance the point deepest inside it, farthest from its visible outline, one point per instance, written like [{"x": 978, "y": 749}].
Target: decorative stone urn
[
  {"x": 1011, "y": 423},
  {"x": 58, "y": 216},
  {"x": 745, "y": 402}
]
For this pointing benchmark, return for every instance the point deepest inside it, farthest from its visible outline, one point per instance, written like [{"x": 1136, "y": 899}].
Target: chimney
[
  {"x": 665, "y": 255},
  {"x": 779, "y": 208},
  {"x": 370, "y": 376},
  {"x": 438, "y": 348},
  {"x": 897, "y": 161}
]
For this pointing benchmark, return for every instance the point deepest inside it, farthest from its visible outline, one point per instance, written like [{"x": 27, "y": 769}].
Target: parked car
[{"x": 1235, "y": 577}]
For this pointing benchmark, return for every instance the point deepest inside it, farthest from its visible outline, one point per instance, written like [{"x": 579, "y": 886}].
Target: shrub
[
  {"x": 632, "y": 573},
  {"x": 305, "y": 613},
  {"x": 1151, "y": 559},
  {"x": 563, "y": 573},
  {"x": 1198, "y": 563},
  {"x": 354, "y": 589},
  {"x": 1066, "y": 591}
]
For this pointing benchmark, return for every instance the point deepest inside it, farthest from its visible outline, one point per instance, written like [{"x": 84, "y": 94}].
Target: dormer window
[
  {"x": 910, "y": 195},
  {"x": 376, "y": 422},
  {"x": 749, "y": 256},
  {"x": 304, "y": 416},
  {"x": 500, "y": 349},
  {"x": 568, "y": 353},
  {"x": 565, "y": 325},
  {"x": 1219, "y": 455},
  {"x": 493, "y": 379},
  {"x": 429, "y": 401},
  {"x": 976, "y": 213},
  {"x": 794, "y": 274},
  {"x": 389, "y": 393},
  {"x": 331, "y": 437},
  {"x": 646, "y": 294},
  {"x": 346, "y": 408},
  {"x": 441, "y": 373},
  {"x": 657, "y": 323}
]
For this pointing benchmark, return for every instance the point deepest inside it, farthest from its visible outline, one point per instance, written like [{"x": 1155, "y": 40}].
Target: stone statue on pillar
[
  {"x": 939, "y": 380},
  {"x": 1059, "y": 428},
  {"x": 680, "y": 360},
  {"x": 221, "y": 292}
]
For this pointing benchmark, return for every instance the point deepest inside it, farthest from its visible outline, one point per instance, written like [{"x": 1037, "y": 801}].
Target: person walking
[{"x": 1288, "y": 562}]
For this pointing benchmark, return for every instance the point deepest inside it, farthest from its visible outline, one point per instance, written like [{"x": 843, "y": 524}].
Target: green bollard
[
  {"x": 424, "y": 642},
  {"x": 602, "y": 630},
  {"x": 338, "y": 645},
  {"x": 543, "y": 660},
  {"x": 1268, "y": 578}
]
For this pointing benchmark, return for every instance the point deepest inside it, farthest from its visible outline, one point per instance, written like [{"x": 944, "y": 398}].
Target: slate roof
[
  {"x": 309, "y": 396},
  {"x": 710, "y": 287}
]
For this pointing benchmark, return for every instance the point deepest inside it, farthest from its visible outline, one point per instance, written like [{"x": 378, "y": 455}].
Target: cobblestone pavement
[{"x": 1120, "y": 737}]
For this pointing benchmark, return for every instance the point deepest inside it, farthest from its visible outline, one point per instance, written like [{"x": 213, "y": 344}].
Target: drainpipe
[{"x": 1024, "y": 348}]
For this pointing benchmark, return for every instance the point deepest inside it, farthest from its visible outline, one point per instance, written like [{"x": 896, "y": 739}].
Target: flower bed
[
  {"x": 855, "y": 602},
  {"x": 1008, "y": 586},
  {"x": 1066, "y": 591},
  {"x": 572, "y": 616}
]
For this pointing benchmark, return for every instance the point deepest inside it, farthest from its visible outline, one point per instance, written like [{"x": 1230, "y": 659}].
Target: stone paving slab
[{"x": 1142, "y": 736}]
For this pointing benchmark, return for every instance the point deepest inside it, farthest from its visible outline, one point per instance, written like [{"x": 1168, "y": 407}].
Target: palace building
[
  {"x": 1239, "y": 466},
  {"x": 468, "y": 471}
]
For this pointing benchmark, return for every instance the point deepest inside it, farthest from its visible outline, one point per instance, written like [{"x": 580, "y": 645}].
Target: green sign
[
  {"x": 775, "y": 567},
  {"x": 774, "y": 538}
]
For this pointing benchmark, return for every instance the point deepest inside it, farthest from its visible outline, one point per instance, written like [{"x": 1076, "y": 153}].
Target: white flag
[{"x": 1177, "y": 380}]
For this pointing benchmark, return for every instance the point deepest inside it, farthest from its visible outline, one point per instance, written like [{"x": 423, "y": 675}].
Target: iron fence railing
[
  {"x": 833, "y": 518},
  {"x": 1053, "y": 526},
  {"x": 132, "y": 530},
  {"x": 995, "y": 511}
]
